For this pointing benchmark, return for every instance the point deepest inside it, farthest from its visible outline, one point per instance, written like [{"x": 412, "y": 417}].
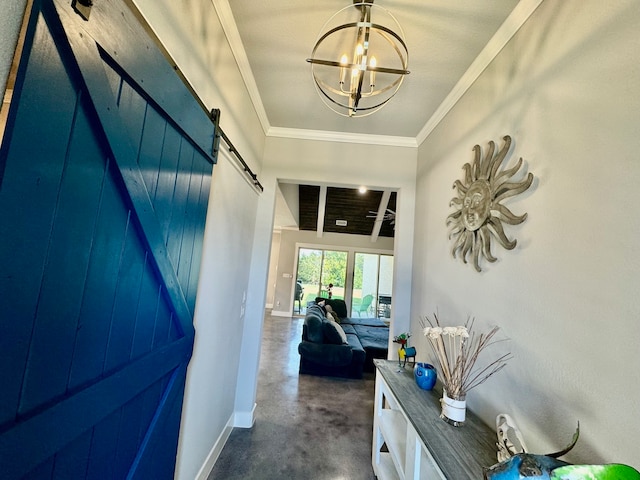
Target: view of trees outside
[
  {"x": 318, "y": 268},
  {"x": 358, "y": 268},
  {"x": 372, "y": 277}
]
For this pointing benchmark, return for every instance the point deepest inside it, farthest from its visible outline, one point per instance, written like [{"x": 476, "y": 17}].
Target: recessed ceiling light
[{"x": 362, "y": 189}]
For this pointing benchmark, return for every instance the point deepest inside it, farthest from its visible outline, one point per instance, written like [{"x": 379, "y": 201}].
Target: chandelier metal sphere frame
[{"x": 370, "y": 69}]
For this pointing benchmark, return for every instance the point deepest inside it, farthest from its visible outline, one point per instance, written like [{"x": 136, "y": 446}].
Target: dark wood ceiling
[{"x": 344, "y": 204}]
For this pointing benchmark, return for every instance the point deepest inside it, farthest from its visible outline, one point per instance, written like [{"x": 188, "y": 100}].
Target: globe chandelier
[{"x": 359, "y": 63}]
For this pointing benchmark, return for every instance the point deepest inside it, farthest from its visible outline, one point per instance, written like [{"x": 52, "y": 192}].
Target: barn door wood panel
[{"x": 106, "y": 170}]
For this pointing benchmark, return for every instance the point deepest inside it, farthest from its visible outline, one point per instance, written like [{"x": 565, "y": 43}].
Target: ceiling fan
[{"x": 388, "y": 215}]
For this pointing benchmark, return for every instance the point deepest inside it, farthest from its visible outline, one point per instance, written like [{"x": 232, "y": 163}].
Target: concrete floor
[{"x": 307, "y": 427}]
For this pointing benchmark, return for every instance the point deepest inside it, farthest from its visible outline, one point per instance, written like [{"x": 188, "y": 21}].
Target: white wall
[
  {"x": 566, "y": 88},
  {"x": 209, "y": 403},
  {"x": 192, "y": 33}
]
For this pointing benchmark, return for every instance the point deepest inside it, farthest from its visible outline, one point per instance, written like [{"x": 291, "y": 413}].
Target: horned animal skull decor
[{"x": 479, "y": 214}]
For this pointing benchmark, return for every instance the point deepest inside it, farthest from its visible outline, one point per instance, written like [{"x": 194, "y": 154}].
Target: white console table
[{"x": 411, "y": 441}]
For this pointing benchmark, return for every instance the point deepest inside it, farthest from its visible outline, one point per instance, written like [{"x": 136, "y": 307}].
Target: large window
[{"x": 320, "y": 273}]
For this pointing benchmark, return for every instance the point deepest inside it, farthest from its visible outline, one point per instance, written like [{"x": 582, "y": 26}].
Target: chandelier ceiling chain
[{"x": 361, "y": 83}]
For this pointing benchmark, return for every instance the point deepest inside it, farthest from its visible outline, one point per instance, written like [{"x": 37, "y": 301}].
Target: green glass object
[{"x": 612, "y": 471}]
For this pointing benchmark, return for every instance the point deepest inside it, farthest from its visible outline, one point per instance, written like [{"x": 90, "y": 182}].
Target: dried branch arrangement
[{"x": 457, "y": 350}]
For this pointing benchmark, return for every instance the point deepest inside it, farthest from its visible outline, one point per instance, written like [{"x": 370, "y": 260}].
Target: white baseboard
[
  {"x": 269, "y": 306},
  {"x": 239, "y": 420},
  {"x": 280, "y": 313},
  {"x": 211, "y": 459},
  {"x": 245, "y": 419}
]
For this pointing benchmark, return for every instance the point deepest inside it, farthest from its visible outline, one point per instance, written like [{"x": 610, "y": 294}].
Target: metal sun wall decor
[{"x": 479, "y": 214}]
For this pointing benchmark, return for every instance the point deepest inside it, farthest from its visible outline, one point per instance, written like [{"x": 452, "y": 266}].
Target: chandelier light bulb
[
  {"x": 359, "y": 52},
  {"x": 372, "y": 29},
  {"x": 344, "y": 61},
  {"x": 372, "y": 73}
]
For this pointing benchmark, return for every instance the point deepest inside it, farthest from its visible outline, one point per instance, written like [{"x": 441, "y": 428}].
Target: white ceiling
[{"x": 449, "y": 43}]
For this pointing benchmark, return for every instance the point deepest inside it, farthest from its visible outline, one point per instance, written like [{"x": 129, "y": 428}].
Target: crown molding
[
  {"x": 343, "y": 137},
  {"x": 520, "y": 14},
  {"x": 223, "y": 10}
]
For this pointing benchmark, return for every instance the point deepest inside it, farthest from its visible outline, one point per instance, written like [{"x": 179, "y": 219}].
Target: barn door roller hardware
[{"x": 219, "y": 133}]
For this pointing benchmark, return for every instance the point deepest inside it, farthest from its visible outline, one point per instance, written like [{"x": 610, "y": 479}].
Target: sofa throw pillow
[
  {"x": 333, "y": 333},
  {"x": 331, "y": 314}
]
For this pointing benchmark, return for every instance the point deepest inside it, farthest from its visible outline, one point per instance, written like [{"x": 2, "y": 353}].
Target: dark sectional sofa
[{"x": 346, "y": 351}]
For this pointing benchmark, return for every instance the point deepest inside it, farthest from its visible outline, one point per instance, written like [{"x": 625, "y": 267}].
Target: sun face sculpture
[{"x": 479, "y": 214}]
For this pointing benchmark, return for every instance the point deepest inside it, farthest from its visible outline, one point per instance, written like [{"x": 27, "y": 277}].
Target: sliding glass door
[
  {"x": 363, "y": 280},
  {"x": 372, "y": 285}
]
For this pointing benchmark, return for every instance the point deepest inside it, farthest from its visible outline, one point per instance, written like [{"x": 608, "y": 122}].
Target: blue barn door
[{"x": 105, "y": 172}]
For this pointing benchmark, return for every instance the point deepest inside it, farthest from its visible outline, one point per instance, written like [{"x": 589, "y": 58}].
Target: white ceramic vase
[{"x": 454, "y": 410}]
